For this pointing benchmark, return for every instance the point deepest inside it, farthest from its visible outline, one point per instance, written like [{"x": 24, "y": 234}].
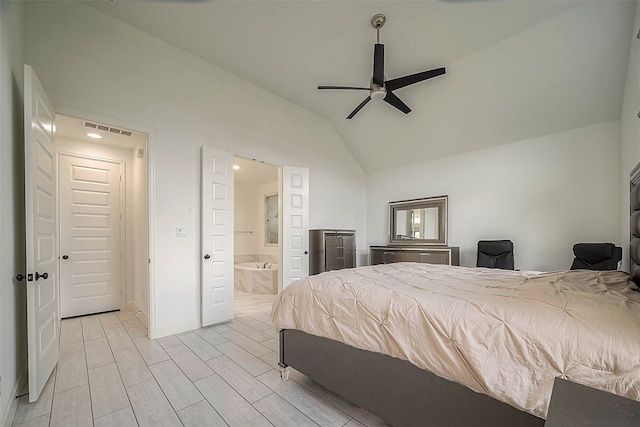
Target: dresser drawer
[{"x": 390, "y": 254}]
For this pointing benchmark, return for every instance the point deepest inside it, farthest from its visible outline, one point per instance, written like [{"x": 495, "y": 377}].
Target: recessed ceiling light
[
  {"x": 236, "y": 167},
  {"x": 94, "y": 135}
]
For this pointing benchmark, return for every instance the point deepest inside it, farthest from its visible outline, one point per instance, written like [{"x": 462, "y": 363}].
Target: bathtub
[{"x": 256, "y": 277}]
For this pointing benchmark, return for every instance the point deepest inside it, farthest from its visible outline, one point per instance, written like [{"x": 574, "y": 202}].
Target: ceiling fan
[{"x": 379, "y": 88}]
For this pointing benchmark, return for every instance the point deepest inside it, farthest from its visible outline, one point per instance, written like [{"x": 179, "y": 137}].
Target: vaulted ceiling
[{"x": 515, "y": 69}]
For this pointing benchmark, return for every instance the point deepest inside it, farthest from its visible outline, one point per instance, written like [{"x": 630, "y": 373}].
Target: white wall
[
  {"x": 263, "y": 192},
  {"x": 13, "y": 333},
  {"x": 630, "y": 129},
  {"x": 137, "y": 261},
  {"x": 249, "y": 214},
  {"x": 544, "y": 194},
  {"x": 245, "y": 205},
  {"x": 90, "y": 62}
]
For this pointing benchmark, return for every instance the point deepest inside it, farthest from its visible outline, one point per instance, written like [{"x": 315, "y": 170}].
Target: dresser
[
  {"x": 331, "y": 249},
  {"x": 428, "y": 254}
]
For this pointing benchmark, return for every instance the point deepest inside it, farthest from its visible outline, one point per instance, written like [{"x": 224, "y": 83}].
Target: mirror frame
[{"x": 439, "y": 202}]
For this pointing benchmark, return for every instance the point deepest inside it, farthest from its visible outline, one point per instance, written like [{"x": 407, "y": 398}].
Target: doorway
[
  {"x": 103, "y": 218},
  {"x": 90, "y": 244},
  {"x": 257, "y": 238}
]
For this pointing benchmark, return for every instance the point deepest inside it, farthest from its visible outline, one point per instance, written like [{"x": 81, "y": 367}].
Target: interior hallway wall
[{"x": 138, "y": 287}]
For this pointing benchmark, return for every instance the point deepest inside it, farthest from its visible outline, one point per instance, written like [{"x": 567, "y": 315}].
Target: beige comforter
[{"x": 503, "y": 333}]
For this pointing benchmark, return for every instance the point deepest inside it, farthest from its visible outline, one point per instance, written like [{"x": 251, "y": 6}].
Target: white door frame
[
  {"x": 282, "y": 170},
  {"x": 123, "y": 221},
  {"x": 152, "y": 326}
]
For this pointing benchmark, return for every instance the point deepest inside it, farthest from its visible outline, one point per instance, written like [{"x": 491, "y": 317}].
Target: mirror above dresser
[
  {"x": 418, "y": 222},
  {"x": 417, "y": 233}
]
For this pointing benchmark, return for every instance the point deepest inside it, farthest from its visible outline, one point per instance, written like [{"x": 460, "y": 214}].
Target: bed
[{"x": 423, "y": 344}]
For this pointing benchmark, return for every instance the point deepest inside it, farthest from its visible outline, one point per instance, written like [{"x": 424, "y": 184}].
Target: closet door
[{"x": 90, "y": 234}]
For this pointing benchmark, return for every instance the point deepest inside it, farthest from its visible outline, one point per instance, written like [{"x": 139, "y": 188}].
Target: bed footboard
[{"x": 394, "y": 389}]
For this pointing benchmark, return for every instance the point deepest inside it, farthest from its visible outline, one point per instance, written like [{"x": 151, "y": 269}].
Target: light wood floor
[{"x": 111, "y": 374}]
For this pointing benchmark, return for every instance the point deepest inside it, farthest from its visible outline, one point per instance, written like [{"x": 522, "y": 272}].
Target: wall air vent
[{"x": 108, "y": 129}]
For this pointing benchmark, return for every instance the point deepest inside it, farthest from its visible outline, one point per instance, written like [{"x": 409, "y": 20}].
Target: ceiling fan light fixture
[{"x": 378, "y": 94}]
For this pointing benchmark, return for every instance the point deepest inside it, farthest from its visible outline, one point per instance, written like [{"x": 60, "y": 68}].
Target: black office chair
[
  {"x": 495, "y": 254},
  {"x": 596, "y": 256}
]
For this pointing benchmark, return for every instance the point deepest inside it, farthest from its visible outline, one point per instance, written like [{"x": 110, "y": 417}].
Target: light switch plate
[{"x": 181, "y": 231}]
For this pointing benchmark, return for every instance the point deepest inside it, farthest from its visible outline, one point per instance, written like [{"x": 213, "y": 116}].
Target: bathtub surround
[
  {"x": 256, "y": 278},
  {"x": 256, "y": 282}
]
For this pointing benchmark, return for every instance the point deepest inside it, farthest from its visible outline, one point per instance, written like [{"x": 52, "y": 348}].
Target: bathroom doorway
[{"x": 257, "y": 238}]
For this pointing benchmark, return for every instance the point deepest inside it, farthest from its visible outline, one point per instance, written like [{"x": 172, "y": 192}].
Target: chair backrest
[
  {"x": 596, "y": 256},
  {"x": 495, "y": 254}
]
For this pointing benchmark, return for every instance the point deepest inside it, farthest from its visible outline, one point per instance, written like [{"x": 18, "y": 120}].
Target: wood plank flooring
[{"x": 111, "y": 374}]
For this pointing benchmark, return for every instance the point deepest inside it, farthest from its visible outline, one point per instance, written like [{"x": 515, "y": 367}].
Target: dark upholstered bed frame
[
  {"x": 404, "y": 395},
  {"x": 393, "y": 389}
]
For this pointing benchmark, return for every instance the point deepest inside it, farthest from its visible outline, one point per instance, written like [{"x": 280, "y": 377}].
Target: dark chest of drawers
[{"x": 331, "y": 250}]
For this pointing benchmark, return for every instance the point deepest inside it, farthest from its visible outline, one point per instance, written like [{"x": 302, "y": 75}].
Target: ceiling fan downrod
[{"x": 377, "y": 21}]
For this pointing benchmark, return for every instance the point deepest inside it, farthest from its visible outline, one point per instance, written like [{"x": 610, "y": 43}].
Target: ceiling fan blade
[
  {"x": 359, "y": 107},
  {"x": 378, "y": 64},
  {"x": 344, "y": 87},
  {"x": 413, "y": 78},
  {"x": 390, "y": 98}
]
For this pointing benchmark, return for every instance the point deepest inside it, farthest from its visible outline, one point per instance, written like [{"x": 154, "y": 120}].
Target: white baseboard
[
  {"x": 140, "y": 314},
  {"x": 177, "y": 328},
  {"x": 10, "y": 412},
  {"x": 132, "y": 306}
]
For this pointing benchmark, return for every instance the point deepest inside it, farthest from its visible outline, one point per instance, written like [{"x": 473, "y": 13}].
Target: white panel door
[
  {"x": 90, "y": 226},
  {"x": 295, "y": 224},
  {"x": 40, "y": 212},
  {"x": 217, "y": 236}
]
